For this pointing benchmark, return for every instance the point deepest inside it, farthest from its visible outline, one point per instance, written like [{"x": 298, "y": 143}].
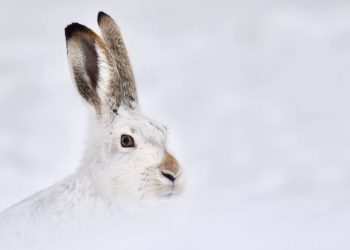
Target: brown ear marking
[
  {"x": 114, "y": 41},
  {"x": 82, "y": 45},
  {"x": 101, "y": 15},
  {"x": 85, "y": 72}
]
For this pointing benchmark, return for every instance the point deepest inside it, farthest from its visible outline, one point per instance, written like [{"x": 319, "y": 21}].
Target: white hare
[{"x": 126, "y": 156}]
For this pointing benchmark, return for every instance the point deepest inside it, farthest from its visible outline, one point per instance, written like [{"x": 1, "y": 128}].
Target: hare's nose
[
  {"x": 169, "y": 167},
  {"x": 169, "y": 176}
]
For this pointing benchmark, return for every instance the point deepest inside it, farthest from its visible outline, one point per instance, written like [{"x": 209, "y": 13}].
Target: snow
[{"x": 255, "y": 95}]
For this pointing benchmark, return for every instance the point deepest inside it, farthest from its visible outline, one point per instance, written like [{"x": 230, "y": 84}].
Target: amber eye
[{"x": 127, "y": 141}]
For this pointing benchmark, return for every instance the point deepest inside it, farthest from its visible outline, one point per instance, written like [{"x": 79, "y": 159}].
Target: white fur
[{"x": 110, "y": 177}]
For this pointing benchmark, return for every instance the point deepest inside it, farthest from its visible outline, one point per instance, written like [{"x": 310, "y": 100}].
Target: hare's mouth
[
  {"x": 174, "y": 190},
  {"x": 169, "y": 188},
  {"x": 168, "y": 195},
  {"x": 168, "y": 191}
]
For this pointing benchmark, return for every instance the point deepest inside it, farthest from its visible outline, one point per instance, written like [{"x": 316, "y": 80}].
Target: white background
[{"x": 256, "y": 95}]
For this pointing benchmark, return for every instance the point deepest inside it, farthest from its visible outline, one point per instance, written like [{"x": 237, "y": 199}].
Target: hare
[{"x": 126, "y": 157}]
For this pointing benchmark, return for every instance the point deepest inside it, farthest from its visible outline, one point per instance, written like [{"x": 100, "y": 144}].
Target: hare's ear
[
  {"x": 92, "y": 66},
  {"x": 114, "y": 41}
]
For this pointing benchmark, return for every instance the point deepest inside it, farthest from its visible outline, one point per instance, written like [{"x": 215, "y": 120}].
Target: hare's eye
[{"x": 127, "y": 141}]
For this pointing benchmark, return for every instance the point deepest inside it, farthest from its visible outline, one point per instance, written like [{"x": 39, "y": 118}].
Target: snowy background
[{"x": 256, "y": 95}]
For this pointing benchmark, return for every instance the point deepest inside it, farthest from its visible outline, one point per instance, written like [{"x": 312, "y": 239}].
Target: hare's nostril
[{"x": 169, "y": 176}]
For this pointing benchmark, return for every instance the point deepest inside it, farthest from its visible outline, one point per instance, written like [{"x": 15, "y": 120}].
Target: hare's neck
[
  {"x": 94, "y": 158},
  {"x": 95, "y": 151}
]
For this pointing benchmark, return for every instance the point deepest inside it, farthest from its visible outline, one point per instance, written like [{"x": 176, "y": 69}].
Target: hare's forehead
[{"x": 136, "y": 123}]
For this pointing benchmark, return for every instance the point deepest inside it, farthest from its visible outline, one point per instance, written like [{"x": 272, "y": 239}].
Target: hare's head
[{"x": 128, "y": 154}]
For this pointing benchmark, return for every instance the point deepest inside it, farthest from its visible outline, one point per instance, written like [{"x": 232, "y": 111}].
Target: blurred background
[{"x": 255, "y": 95}]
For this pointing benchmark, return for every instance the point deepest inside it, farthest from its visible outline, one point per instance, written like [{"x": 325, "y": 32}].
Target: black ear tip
[
  {"x": 100, "y": 15},
  {"x": 72, "y": 28}
]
